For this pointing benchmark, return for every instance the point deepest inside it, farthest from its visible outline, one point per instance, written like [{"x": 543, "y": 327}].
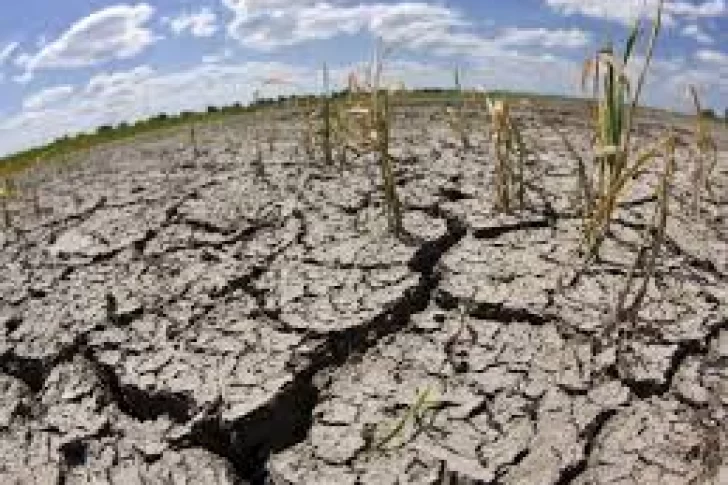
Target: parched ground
[{"x": 172, "y": 319}]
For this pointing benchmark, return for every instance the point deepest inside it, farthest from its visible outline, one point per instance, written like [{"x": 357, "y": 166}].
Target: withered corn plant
[
  {"x": 382, "y": 124},
  {"x": 271, "y": 128},
  {"x": 368, "y": 128},
  {"x": 35, "y": 196},
  {"x": 510, "y": 153},
  {"x": 583, "y": 199},
  {"x": 617, "y": 162},
  {"x": 308, "y": 135},
  {"x": 29, "y": 183},
  {"x": 355, "y": 117},
  {"x": 193, "y": 143},
  {"x": 456, "y": 113},
  {"x": 705, "y": 153},
  {"x": 258, "y": 164},
  {"x": 167, "y": 163},
  {"x": 326, "y": 118},
  {"x": 339, "y": 131},
  {"x": 7, "y": 191},
  {"x": 307, "y": 112},
  {"x": 643, "y": 271}
]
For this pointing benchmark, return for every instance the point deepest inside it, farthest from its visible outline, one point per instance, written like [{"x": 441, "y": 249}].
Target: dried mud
[{"x": 166, "y": 318}]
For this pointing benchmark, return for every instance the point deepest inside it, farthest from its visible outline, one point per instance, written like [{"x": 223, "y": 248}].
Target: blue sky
[{"x": 68, "y": 66}]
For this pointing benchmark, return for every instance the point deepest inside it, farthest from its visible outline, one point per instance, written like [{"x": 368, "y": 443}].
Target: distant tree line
[{"x": 237, "y": 107}]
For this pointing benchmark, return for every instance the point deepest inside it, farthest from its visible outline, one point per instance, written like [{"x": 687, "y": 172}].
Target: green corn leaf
[{"x": 632, "y": 40}]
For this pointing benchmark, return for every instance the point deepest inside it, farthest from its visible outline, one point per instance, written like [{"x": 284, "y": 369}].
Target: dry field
[{"x": 239, "y": 312}]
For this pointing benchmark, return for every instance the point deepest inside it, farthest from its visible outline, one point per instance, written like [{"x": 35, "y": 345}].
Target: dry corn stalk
[
  {"x": 510, "y": 157},
  {"x": 258, "y": 161},
  {"x": 339, "y": 134},
  {"x": 309, "y": 131},
  {"x": 368, "y": 124},
  {"x": 653, "y": 241},
  {"x": 193, "y": 143},
  {"x": 615, "y": 108},
  {"x": 456, "y": 115},
  {"x": 705, "y": 153},
  {"x": 326, "y": 118},
  {"x": 7, "y": 190}
]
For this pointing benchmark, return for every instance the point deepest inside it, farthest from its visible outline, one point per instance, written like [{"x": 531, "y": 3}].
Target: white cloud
[
  {"x": 422, "y": 28},
  {"x": 669, "y": 79},
  {"x": 571, "y": 38},
  {"x": 626, "y": 11},
  {"x": 426, "y": 27},
  {"x": 110, "y": 98},
  {"x": 284, "y": 24},
  {"x": 712, "y": 8},
  {"x": 8, "y": 51},
  {"x": 717, "y": 58},
  {"x": 202, "y": 23},
  {"x": 694, "y": 32},
  {"x": 217, "y": 57},
  {"x": 118, "y": 83},
  {"x": 116, "y": 32},
  {"x": 47, "y": 97},
  {"x": 249, "y": 6}
]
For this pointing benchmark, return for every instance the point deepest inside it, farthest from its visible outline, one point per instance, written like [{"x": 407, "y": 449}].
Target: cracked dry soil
[{"x": 171, "y": 320}]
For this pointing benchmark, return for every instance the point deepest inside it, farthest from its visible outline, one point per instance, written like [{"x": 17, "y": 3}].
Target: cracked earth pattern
[{"x": 172, "y": 319}]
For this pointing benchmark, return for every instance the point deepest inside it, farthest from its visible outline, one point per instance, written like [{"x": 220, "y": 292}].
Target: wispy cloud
[
  {"x": 7, "y": 51},
  {"x": 217, "y": 57},
  {"x": 288, "y": 23},
  {"x": 670, "y": 79},
  {"x": 626, "y": 11},
  {"x": 712, "y": 8},
  {"x": 565, "y": 38},
  {"x": 116, "y": 32},
  {"x": 110, "y": 98},
  {"x": 717, "y": 58},
  {"x": 47, "y": 97},
  {"x": 693, "y": 31},
  {"x": 202, "y": 23},
  {"x": 419, "y": 26}
]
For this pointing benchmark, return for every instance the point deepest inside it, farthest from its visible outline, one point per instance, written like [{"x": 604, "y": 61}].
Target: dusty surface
[{"x": 166, "y": 319}]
